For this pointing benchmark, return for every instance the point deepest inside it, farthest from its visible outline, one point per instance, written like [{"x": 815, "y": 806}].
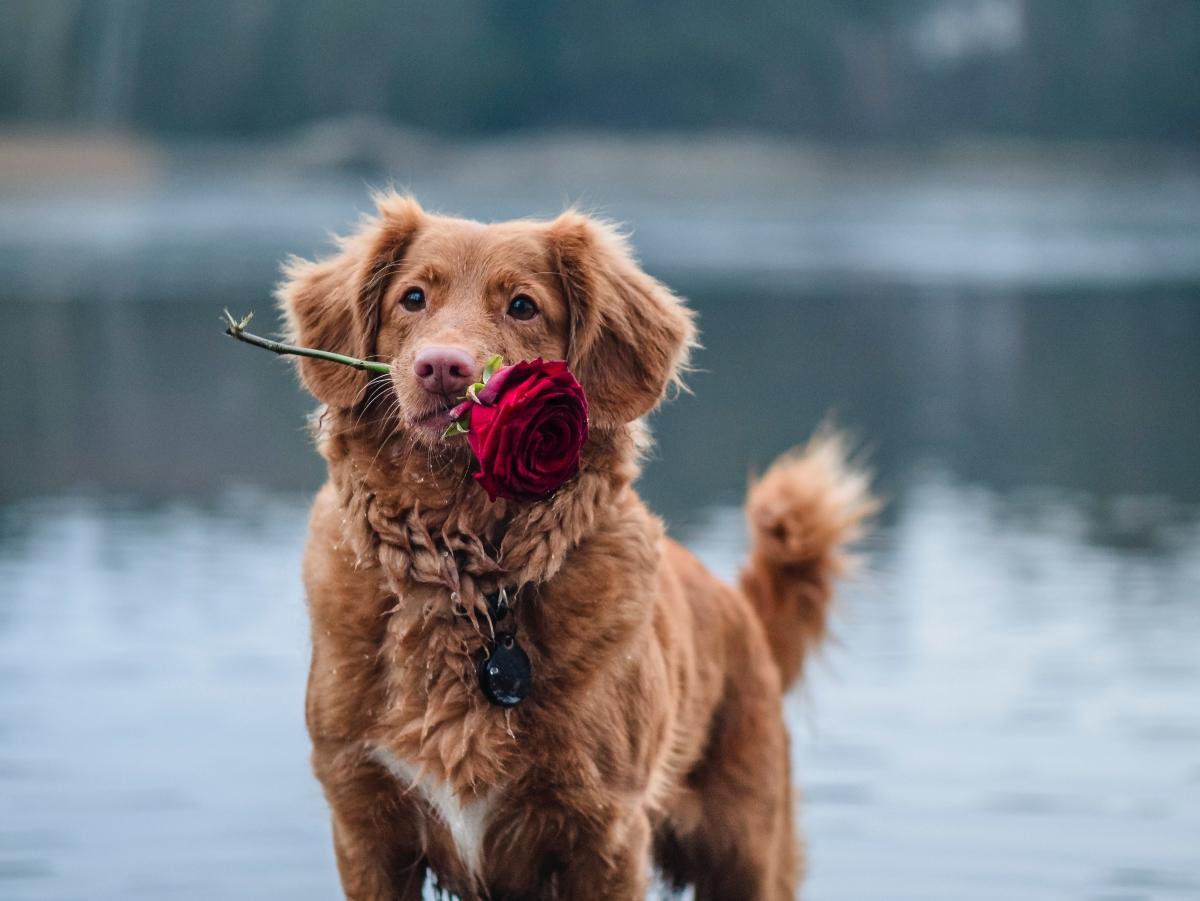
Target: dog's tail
[{"x": 803, "y": 512}]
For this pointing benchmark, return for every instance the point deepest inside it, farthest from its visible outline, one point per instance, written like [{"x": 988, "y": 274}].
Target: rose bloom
[{"x": 527, "y": 430}]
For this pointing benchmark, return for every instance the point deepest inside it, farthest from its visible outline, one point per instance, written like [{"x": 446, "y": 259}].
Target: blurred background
[{"x": 970, "y": 229}]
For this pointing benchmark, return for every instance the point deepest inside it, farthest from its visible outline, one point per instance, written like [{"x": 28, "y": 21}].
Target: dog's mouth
[{"x": 435, "y": 417}]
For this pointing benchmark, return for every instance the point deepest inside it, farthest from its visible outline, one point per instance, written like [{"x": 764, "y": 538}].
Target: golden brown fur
[{"x": 654, "y": 731}]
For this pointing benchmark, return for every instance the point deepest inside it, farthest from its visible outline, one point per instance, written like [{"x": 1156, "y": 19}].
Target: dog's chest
[
  {"x": 464, "y": 820},
  {"x": 436, "y": 735}
]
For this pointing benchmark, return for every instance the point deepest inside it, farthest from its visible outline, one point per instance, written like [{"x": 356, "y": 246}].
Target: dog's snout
[{"x": 444, "y": 370}]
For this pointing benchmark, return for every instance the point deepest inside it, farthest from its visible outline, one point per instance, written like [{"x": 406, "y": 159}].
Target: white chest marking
[{"x": 465, "y": 822}]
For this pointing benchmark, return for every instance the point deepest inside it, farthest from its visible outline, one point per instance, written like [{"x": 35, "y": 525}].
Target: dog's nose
[{"x": 444, "y": 370}]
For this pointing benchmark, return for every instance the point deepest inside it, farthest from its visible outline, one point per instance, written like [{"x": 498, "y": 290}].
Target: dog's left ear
[
  {"x": 333, "y": 304},
  {"x": 629, "y": 335}
]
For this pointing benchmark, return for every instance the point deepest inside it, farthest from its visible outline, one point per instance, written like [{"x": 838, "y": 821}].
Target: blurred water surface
[{"x": 1009, "y": 711}]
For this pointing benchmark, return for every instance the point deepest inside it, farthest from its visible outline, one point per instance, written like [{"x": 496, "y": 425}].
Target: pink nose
[{"x": 444, "y": 370}]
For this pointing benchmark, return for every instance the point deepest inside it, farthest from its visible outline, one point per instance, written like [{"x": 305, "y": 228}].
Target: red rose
[{"x": 527, "y": 426}]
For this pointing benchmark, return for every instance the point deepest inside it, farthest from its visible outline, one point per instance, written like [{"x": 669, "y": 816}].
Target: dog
[{"x": 652, "y": 735}]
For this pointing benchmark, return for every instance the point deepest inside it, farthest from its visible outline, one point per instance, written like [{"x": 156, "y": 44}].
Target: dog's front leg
[
  {"x": 615, "y": 867},
  {"x": 375, "y": 833},
  {"x": 371, "y": 873}
]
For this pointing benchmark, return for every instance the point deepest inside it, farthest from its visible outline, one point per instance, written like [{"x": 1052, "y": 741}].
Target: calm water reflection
[{"x": 1010, "y": 710}]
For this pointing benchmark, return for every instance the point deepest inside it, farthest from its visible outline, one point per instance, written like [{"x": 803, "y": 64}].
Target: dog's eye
[
  {"x": 522, "y": 308},
  {"x": 413, "y": 300}
]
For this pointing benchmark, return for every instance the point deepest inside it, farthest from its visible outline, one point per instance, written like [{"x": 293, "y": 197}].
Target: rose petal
[{"x": 528, "y": 430}]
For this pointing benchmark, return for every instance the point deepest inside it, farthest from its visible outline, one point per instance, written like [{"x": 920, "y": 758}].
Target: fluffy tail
[{"x": 803, "y": 512}]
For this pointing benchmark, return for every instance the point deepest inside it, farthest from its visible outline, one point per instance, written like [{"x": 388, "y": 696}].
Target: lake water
[{"x": 1011, "y": 708}]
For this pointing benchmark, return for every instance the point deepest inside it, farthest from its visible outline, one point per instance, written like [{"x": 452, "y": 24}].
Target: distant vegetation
[{"x": 841, "y": 69}]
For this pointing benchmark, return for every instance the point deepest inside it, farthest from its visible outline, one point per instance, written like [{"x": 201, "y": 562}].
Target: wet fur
[{"x": 654, "y": 733}]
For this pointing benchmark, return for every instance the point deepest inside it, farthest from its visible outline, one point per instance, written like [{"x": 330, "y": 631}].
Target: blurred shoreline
[
  {"x": 667, "y": 165},
  {"x": 78, "y": 209}
]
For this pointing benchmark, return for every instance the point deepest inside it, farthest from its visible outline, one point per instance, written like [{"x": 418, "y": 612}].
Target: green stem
[{"x": 237, "y": 329}]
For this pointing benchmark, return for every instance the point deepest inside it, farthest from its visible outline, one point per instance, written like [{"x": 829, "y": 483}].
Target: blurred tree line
[{"x": 843, "y": 69}]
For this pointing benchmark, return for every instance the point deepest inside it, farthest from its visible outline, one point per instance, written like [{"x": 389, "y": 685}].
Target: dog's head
[{"x": 436, "y": 296}]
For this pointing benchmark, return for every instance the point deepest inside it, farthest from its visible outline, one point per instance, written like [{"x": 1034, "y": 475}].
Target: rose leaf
[{"x": 493, "y": 364}]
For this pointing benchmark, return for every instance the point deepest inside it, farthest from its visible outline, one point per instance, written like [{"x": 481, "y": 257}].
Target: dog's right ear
[
  {"x": 629, "y": 335},
  {"x": 333, "y": 304}
]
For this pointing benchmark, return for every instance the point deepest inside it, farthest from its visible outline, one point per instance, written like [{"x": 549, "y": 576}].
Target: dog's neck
[{"x": 420, "y": 515}]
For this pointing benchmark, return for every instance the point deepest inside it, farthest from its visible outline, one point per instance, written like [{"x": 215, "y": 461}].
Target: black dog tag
[{"x": 506, "y": 675}]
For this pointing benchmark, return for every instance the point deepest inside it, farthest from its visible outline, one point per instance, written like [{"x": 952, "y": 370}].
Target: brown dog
[{"x": 653, "y": 732}]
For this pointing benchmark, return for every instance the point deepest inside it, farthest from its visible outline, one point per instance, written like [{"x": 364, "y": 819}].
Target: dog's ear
[
  {"x": 333, "y": 304},
  {"x": 629, "y": 335}
]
